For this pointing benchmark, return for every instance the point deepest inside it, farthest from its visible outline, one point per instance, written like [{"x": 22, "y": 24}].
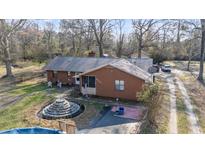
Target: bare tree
[
  {"x": 25, "y": 37},
  {"x": 73, "y": 30},
  {"x": 100, "y": 27},
  {"x": 120, "y": 36},
  {"x": 193, "y": 36},
  {"x": 201, "y": 69},
  {"x": 145, "y": 31},
  {"x": 49, "y": 34},
  {"x": 88, "y": 36},
  {"x": 7, "y": 30}
]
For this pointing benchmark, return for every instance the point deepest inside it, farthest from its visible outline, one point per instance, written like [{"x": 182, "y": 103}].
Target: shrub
[{"x": 148, "y": 93}]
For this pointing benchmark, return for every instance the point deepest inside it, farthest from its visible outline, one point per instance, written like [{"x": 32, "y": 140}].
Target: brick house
[{"x": 107, "y": 77}]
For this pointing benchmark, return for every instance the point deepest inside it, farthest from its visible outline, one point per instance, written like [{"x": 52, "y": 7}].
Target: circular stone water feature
[{"x": 62, "y": 108}]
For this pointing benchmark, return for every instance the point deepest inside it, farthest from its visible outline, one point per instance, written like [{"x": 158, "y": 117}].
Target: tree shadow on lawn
[{"x": 28, "y": 89}]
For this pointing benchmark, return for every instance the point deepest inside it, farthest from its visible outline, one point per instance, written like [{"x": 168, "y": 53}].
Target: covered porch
[{"x": 88, "y": 85}]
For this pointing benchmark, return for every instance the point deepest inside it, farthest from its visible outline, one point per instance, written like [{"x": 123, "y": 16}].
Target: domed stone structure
[{"x": 61, "y": 108}]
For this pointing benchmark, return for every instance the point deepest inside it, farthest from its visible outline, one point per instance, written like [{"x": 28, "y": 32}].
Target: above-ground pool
[{"x": 32, "y": 130}]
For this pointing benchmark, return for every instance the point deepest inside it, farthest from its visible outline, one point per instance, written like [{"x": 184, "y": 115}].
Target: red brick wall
[
  {"x": 105, "y": 83},
  {"x": 61, "y": 76},
  {"x": 50, "y": 76}
]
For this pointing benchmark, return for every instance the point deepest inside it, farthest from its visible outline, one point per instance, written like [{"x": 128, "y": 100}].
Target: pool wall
[{"x": 32, "y": 130}]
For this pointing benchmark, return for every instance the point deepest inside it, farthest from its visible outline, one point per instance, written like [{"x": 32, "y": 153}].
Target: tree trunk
[
  {"x": 7, "y": 59},
  {"x": 100, "y": 49},
  {"x": 188, "y": 66},
  {"x": 201, "y": 69},
  {"x": 119, "y": 51},
  {"x": 164, "y": 40},
  {"x": 24, "y": 53},
  {"x": 178, "y": 32},
  {"x": 49, "y": 46},
  {"x": 190, "y": 57},
  {"x": 79, "y": 46},
  {"x": 88, "y": 46},
  {"x": 73, "y": 44},
  {"x": 101, "y": 38},
  {"x": 120, "y": 45},
  {"x": 140, "y": 48}
]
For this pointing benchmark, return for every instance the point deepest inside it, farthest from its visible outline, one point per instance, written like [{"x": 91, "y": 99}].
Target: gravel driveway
[
  {"x": 193, "y": 119},
  {"x": 173, "y": 110}
]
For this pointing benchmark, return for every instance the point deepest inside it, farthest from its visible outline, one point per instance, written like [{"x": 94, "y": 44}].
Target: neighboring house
[{"x": 107, "y": 77}]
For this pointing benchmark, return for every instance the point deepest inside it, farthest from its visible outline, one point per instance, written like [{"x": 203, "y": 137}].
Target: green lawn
[
  {"x": 159, "y": 111},
  {"x": 199, "y": 112},
  {"x": 27, "y": 66},
  {"x": 182, "y": 65},
  {"x": 13, "y": 116},
  {"x": 34, "y": 94},
  {"x": 162, "y": 118},
  {"x": 182, "y": 121}
]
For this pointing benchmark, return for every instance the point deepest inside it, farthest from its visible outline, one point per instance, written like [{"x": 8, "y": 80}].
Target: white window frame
[
  {"x": 88, "y": 76},
  {"x": 120, "y": 85}
]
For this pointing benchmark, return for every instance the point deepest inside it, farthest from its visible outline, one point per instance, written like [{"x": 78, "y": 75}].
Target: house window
[
  {"x": 89, "y": 81},
  {"x": 119, "y": 85}
]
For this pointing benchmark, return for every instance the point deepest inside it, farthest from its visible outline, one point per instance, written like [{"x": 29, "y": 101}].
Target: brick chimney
[{"x": 91, "y": 54}]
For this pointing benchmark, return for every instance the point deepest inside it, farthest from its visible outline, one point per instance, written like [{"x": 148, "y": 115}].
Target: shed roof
[{"x": 77, "y": 64}]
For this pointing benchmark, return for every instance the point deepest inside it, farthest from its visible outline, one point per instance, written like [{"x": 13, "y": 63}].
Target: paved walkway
[
  {"x": 173, "y": 111},
  {"x": 193, "y": 120}
]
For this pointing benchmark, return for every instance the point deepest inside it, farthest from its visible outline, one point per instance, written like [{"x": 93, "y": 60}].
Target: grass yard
[
  {"x": 159, "y": 110},
  {"x": 196, "y": 92},
  {"x": 36, "y": 95},
  {"x": 82, "y": 121},
  {"x": 182, "y": 65},
  {"x": 28, "y": 88},
  {"x": 13, "y": 116},
  {"x": 27, "y": 66},
  {"x": 162, "y": 118},
  {"x": 182, "y": 121},
  {"x": 23, "y": 113}
]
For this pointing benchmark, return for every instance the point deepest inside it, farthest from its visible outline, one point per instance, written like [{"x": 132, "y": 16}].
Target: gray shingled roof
[
  {"x": 130, "y": 68},
  {"x": 77, "y": 64}
]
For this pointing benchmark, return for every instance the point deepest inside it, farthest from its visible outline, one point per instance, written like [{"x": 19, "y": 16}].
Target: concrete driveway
[{"x": 110, "y": 124}]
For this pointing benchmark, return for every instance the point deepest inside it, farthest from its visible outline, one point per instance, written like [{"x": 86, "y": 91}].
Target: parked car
[{"x": 166, "y": 68}]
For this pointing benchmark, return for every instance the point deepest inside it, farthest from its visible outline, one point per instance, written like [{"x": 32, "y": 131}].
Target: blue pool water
[{"x": 32, "y": 130}]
